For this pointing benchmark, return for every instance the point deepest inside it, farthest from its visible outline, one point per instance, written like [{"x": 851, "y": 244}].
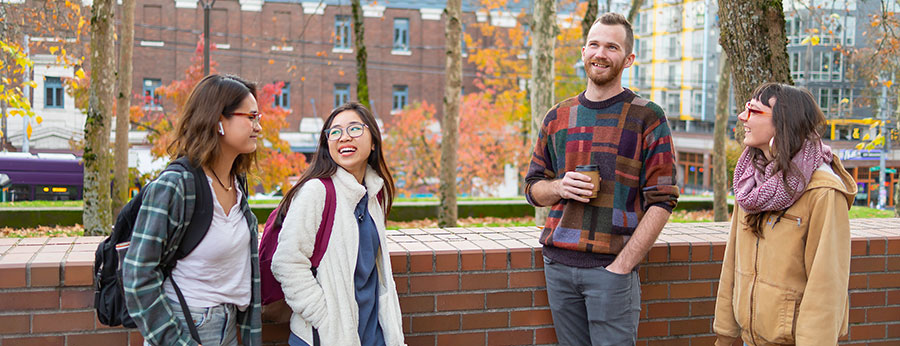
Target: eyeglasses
[
  {"x": 254, "y": 117},
  {"x": 354, "y": 130},
  {"x": 753, "y": 111}
]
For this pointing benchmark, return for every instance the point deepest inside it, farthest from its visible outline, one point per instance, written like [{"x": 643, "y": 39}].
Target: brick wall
[{"x": 460, "y": 286}]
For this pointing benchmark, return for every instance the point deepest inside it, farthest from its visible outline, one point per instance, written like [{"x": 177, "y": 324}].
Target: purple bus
[{"x": 54, "y": 177}]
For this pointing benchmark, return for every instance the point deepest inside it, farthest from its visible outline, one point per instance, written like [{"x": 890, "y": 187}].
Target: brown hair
[
  {"x": 324, "y": 166},
  {"x": 195, "y": 133},
  {"x": 797, "y": 119},
  {"x": 612, "y": 18}
]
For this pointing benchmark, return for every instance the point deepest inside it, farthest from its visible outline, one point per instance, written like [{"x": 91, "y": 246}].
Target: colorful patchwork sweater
[{"x": 629, "y": 139}]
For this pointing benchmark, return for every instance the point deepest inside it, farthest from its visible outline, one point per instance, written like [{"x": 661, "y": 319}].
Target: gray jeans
[
  {"x": 593, "y": 306},
  {"x": 216, "y": 325}
]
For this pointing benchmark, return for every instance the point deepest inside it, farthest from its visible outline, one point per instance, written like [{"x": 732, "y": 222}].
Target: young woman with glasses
[
  {"x": 218, "y": 133},
  {"x": 787, "y": 261},
  {"x": 352, "y": 299}
]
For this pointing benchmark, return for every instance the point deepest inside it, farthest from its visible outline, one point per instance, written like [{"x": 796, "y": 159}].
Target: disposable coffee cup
[{"x": 592, "y": 171}]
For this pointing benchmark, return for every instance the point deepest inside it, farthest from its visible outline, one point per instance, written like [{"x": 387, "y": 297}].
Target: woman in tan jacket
[{"x": 787, "y": 263}]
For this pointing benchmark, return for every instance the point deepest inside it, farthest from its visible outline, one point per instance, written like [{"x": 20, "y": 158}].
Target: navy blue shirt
[{"x": 366, "y": 276}]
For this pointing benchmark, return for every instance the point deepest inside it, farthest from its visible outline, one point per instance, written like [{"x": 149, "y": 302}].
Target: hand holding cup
[{"x": 578, "y": 186}]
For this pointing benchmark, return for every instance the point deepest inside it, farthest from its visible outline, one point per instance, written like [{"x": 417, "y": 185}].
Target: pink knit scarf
[{"x": 757, "y": 191}]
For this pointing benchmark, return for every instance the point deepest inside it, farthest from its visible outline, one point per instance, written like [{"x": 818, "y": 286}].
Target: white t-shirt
[{"x": 217, "y": 271}]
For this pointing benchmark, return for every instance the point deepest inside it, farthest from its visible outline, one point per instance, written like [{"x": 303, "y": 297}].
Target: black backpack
[{"x": 109, "y": 300}]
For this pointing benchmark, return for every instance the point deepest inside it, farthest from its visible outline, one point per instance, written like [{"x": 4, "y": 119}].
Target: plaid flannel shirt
[{"x": 163, "y": 217}]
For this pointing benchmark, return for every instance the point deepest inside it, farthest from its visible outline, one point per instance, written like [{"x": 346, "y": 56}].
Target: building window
[
  {"x": 673, "y": 104},
  {"x": 673, "y": 46},
  {"x": 698, "y": 74},
  {"x": 697, "y": 106},
  {"x": 637, "y": 75},
  {"x": 400, "y": 96},
  {"x": 341, "y": 94},
  {"x": 151, "y": 98},
  {"x": 793, "y": 30},
  {"x": 673, "y": 74},
  {"x": 697, "y": 45},
  {"x": 401, "y": 34},
  {"x": 342, "y": 33},
  {"x": 283, "y": 99},
  {"x": 645, "y": 54},
  {"x": 53, "y": 95}
]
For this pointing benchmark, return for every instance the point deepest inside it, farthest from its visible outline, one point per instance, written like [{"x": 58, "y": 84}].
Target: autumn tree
[
  {"x": 753, "y": 37},
  {"x": 123, "y": 106},
  {"x": 720, "y": 136},
  {"x": 877, "y": 66},
  {"x": 60, "y": 28},
  {"x": 542, "y": 68},
  {"x": 97, "y": 215},
  {"x": 450, "y": 121},
  {"x": 362, "y": 76},
  {"x": 487, "y": 144}
]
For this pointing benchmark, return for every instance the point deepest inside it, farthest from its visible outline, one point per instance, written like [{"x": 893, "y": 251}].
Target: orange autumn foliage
[{"x": 487, "y": 143}]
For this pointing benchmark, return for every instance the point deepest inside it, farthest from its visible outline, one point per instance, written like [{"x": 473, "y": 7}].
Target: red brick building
[{"x": 307, "y": 45}]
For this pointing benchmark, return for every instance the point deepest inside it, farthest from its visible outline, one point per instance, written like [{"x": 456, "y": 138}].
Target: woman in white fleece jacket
[{"x": 352, "y": 299}]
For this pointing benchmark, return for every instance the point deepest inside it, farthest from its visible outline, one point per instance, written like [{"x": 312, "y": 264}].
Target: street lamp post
[{"x": 207, "y": 7}]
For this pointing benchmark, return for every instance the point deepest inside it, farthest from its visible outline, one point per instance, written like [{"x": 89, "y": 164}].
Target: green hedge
[{"x": 405, "y": 211}]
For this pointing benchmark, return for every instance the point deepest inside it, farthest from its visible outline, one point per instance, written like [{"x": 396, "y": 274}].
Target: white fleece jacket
[{"x": 328, "y": 301}]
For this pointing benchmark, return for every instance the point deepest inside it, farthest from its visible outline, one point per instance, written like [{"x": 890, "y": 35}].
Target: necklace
[{"x": 227, "y": 189}]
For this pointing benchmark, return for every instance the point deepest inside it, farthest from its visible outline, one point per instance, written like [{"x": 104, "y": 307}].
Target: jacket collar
[
  {"x": 355, "y": 191},
  {"x": 845, "y": 185}
]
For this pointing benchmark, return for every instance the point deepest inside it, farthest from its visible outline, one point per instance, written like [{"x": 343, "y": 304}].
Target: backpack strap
[
  {"x": 201, "y": 218},
  {"x": 323, "y": 235}
]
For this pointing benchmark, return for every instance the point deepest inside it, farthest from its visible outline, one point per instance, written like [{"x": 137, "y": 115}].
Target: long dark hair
[
  {"x": 797, "y": 119},
  {"x": 195, "y": 133},
  {"x": 324, "y": 166}
]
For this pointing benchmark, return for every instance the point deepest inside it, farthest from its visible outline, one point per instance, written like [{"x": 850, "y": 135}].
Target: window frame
[{"x": 56, "y": 98}]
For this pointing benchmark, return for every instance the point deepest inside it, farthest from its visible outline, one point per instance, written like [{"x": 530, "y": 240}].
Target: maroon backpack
[
  {"x": 274, "y": 307},
  {"x": 270, "y": 288}
]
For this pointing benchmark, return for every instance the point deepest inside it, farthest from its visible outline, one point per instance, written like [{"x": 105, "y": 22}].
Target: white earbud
[{"x": 221, "y": 129}]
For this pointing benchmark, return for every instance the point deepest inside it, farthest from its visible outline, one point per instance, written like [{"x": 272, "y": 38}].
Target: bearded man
[{"x": 592, "y": 246}]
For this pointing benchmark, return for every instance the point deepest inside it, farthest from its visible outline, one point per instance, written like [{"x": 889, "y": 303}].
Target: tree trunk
[
  {"x": 362, "y": 78},
  {"x": 720, "y": 157},
  {"x": 635, "y": 8},
  {"x": 450, "y": 121},
  {"x": 97, "y": 218},
  {"x": 752, "y": 34},
  {"x": 542, "y": 74},
  {"x": 4, "y": 137},
  {"x": 123, "y": 106},
  {"x": 589, "y": 17}
]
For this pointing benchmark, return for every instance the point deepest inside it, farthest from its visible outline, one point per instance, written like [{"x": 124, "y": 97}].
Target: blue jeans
[
  {"x": 593, "y": 306},
  {"x": 216, "y": 325}
]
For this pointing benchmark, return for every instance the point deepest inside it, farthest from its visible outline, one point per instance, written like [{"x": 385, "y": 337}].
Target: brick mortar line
[
  {"x": 675, "y": 337},
  {"x": 480, "y": 271},
  {"x": 73, "y": 332},
  {"x": 467, "y": 312},
  {"x": 499, "y": 329},
  {"x": 43, "y": 311}
]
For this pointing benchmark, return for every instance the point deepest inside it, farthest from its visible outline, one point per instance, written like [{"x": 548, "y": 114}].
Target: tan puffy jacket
[{"x": 790, "y": 287}]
